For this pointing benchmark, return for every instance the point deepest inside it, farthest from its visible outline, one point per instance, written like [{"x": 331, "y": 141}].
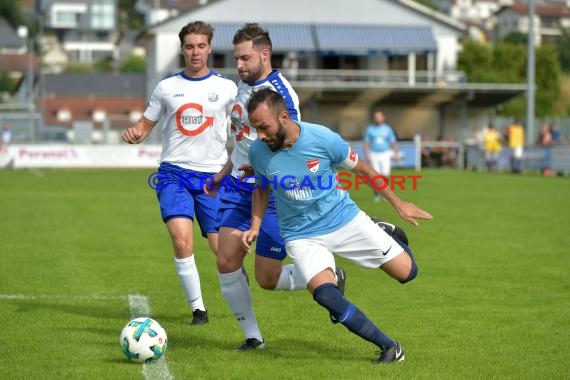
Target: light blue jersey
[
  {"x": 380, "y": 138},
  {"x": 303, "y": 179}
]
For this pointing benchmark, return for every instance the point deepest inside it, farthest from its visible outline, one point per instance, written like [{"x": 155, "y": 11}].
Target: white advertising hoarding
[{"x": 79, "y": 156}]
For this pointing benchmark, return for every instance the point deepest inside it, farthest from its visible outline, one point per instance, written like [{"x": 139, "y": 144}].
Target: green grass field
[{"x": 492, "y": 299}]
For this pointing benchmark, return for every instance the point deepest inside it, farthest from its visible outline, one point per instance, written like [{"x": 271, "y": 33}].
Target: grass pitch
[{"x": 492, "y": 299}]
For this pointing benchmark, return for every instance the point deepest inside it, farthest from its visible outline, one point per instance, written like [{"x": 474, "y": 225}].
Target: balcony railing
[{"x": 358, "y": 77}]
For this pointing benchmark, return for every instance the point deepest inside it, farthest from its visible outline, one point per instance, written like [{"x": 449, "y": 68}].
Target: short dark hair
[
  {"x": 196, "y": 27},
  {"x": 253, "y": 32},
  {"x": 274, "y": 100}
]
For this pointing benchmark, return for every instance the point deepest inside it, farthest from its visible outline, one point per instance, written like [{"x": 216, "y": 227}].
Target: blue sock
[{"x": 350, "y": 316}]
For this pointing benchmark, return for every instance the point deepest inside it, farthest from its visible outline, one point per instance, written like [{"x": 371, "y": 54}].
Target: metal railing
[{"x": 398, "y": 77}]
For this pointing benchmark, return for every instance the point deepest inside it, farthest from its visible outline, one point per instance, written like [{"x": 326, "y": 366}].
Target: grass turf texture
[{"x": 491, "y": 299}]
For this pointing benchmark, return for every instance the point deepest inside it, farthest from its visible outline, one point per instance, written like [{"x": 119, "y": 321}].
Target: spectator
[
  {"x": 437, "y": 152},
  {"x": 545, "y": 141},
  {"x": 492, "y": 146},
  {"x": 380, "y": 146},
  {"x": 6, "y": 135},
  {"x": 515, "y": 136},
  {"x": 557, "y": 138},
  {"x": 427, "y": 160},
  {"x": 451, "y": 153}
]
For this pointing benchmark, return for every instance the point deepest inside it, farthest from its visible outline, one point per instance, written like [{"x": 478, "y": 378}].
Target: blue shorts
[
  {"x": 180, "y": 194},
  {"x": 235, "y": 212}
]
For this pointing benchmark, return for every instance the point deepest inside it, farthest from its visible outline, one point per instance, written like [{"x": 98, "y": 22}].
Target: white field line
[
  {"x": 139, "y": 307},
  {"x": 87, "y": 297},
  {"x": 159, "y": 369}
]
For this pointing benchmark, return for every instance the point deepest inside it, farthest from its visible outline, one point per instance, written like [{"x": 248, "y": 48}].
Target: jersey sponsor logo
[
  {"x": 191, "y": 121},
  {"x": 177, "y": 95},
  {"x": 238, "y": 127},
  {"x": 313, "y": 165}
]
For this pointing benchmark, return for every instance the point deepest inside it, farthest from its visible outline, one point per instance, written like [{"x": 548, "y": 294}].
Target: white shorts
[
  {"x": 381, "y": 162},
  {"x": 360, "y": 241},
  {"x": 518, "y": 152}
]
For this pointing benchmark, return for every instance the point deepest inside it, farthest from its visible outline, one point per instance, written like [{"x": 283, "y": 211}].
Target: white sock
[
  {"x": 190, "y": 279},
  {"x": 238, "y": 297},
  {"x": 290, "y": 279}
]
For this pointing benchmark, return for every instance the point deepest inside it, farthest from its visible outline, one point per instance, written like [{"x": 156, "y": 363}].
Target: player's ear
[
  {"x": 283, "y": 116},
  {"x": 266, "y": 55}
]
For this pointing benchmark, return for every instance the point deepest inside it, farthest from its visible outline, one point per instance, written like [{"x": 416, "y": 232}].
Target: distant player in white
[
  {"x": 195, "y": 104},
  {"x": 317, "y": 219},
  {"x": 379, "y": 146},
  {"x": 252, "y": 53}
]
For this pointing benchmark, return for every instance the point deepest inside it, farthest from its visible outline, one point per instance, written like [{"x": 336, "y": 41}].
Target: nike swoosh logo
[
  {"x": 398, "y": 352},
  {"x": 388, "y": 250},
  {"x": 277, "y": 172}
]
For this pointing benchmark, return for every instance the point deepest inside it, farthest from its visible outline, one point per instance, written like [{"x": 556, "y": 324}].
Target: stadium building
[{"x": 346, "y": 58}]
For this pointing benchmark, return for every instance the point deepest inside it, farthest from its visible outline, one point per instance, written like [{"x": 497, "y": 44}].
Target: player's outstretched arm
[
  {"x": 407, "y": 210},
  {"x": 259, "y": 201},
  {"x": 139, "y": 132}
]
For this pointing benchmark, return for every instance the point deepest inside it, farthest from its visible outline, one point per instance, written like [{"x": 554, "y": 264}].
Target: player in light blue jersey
[
  {"x": 317, "y": 218},
  {"x": 379, "y": 146}
]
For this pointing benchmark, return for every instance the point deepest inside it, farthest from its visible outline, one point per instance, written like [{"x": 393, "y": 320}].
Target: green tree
[
  {"x": 104, "y": 64},
  {"x": 129, "y": 19},
  {"x": 563, "y": 44},
  {"x": 515, "y": 38},
  {"x": 475, "y": 59},
  {"x": 507, "y": 63},
  {"x": 548, "y": 78},
  {"x": 10, "y": 10},
  {"x": 6, "y": 84},
  {"x": 133, "y": 64}
]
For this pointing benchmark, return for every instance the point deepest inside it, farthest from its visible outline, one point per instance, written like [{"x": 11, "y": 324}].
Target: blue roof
[
  {"x": 374, "y": 39},
  {"x": 284, "y": 37}
]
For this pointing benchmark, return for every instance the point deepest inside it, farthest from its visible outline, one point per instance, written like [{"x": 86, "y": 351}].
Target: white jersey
[
  {"x": 242, "y": 133},
  {"x": 196, "y": 110}
]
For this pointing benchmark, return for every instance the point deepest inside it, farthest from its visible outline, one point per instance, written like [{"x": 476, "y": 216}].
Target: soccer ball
[{"x": 143, "y": 340}]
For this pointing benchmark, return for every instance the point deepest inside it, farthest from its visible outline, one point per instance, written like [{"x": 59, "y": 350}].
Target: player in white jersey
[
  {"x": 195, "y": 105},
  {"x": 298, "y": 162},
  {"x": 252, "y": 52}
]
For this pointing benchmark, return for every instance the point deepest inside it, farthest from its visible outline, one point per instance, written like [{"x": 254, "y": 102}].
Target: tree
[
  {"x": 506, "y": 63},
  {"x": 563, "y": 44},
  {"x": 6, "y": 84},
  {"x": 474, "y": 59},
  {"x": 133, "y": 64},
  {"x": 104, "y": 64},
  {"x": 548, "y": 78},
  {"x": 10, "y": 10},
  {"x": 516, "y": 38}
]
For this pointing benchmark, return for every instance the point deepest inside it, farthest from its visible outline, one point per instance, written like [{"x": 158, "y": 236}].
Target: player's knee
[
  {"x": 330, "y": 297},
  {"x": 182, "y": 247},
  {"x": 413, "y": 273},
  {"x": 266, "y": 282}
]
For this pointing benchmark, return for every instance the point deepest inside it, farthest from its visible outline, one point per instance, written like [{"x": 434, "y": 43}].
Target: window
[
  {"x": 103, "y": 15},
  {"x": 64, "y": 18}
]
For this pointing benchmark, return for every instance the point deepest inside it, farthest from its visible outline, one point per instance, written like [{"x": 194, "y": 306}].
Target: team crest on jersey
[
  {"x": 213, "y": 97},
  {"x": 313, "y": 165}
]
